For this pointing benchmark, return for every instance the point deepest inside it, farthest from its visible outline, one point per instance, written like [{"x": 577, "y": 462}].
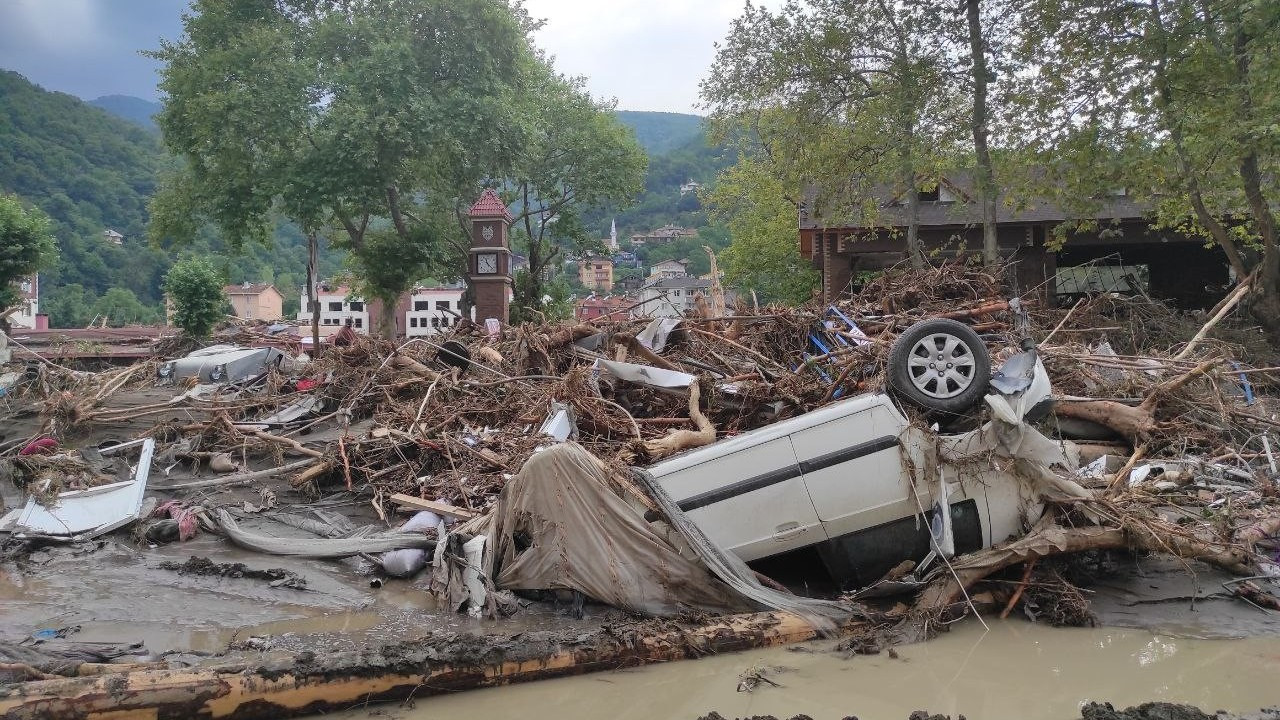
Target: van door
[
  {"x": 854, "y": 471},
  {"x": 751, "y": 500}
]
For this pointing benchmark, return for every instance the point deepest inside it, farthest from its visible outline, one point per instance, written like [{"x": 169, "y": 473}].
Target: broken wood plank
[{"x": 438, "y": 508}]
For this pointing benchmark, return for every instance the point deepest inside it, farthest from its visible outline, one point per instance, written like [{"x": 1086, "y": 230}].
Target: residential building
[
  {"x": 668, "y": 269},
  {"x": 27, "y": 316},
  {"x": 662, "y": 235},
  {"x": 1169, "y": 265},
  {"x": 433, "y": 309},
  {"x": 669, "y": 297},
  {"x": 690, "y": 187},
  {"x": 256, "y": 301},
  {"x": 337, "y": 306},
  {"x": 596, "y": 273},
  {"x": 622, "y": 258},
  {"x": 611, "y": 306},
  {"x": 113, "y": 237}
]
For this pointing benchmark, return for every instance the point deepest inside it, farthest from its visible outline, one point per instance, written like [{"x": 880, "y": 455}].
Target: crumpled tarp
[{"x": 559, "y": 526}]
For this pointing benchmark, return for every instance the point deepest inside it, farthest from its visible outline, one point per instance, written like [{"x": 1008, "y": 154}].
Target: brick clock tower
[{"x": 490, "y": 261}]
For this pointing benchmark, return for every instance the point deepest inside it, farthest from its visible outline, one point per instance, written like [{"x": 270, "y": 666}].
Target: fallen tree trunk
[
  {"x": 444, "y": 663},
  {"x": 1057, "y": 540}
]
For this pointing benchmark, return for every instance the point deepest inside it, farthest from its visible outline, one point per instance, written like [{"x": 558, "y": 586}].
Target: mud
[
  {"x": 275, "y": 577},
  {"x": 1091, "y": 711}
]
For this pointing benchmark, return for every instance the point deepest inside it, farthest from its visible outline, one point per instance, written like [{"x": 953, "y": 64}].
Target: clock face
[{"x": 487, "y": 264}]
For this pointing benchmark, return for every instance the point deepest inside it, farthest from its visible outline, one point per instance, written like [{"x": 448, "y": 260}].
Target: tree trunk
[
  {"x": 305, "y": 685},
  {"x": 915, "y": 253},
  {"x": 1266, "y": 308},
  {"x": 313, "y": 287},
  {"x": 1173, "y": 123},
  {"x": 982, "y": 154},
  {"x": 387, "y": 318}
]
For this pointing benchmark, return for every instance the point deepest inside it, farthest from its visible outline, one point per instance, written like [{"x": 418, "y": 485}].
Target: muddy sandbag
[{"x": 557, "y": 525}]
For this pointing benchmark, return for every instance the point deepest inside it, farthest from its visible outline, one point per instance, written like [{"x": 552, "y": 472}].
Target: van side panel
[
  {"x": 853, "y": 468},
  {"x": 751, "y": 501}
]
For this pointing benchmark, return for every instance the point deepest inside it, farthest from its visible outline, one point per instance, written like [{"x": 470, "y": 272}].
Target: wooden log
[
  {"x": 443, "y": 663},
  {"x": 438, "y": 508}
]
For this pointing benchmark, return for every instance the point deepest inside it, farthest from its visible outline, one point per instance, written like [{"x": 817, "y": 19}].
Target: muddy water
[{"x": 1017, "y": 670}]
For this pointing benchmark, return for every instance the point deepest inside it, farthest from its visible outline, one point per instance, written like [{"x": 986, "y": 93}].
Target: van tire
[{"x": 951, "y": 381}]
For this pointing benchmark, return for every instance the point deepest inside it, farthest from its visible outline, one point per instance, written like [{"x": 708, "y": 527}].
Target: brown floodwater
[{"x": 1015, "y": 670}]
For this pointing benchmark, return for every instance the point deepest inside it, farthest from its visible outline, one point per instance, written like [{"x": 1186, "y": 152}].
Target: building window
[
  {"x": 932, "y": 194},
  {"x": 420, "y": 305},
  {"x": 357, "y": 306},
  {"x": 330, "y": 321},
  {"x": 335, "y": 307},
  {"x": 435, "y": 322},
  {"x": 358, "y": 322},
  {"x": 413, "y": 322},
  {"x": 442, "y": 304}
]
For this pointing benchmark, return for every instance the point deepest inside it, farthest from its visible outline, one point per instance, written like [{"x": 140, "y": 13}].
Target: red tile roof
[{"x": 490, "y": 205}]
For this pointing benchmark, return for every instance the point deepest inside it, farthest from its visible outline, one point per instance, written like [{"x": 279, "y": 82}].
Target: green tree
[
  {"x": 68, "y": 306},
  {"x": 195, "y": 287},
  {"x": 119, "y": 306},
  {"x": 369, "y": 116},
  {"x": 26, "y": 245},
  {"x": 839, "y": 100},
  {"x": 578, "y": 156},
  {"x": 763, "y": 255},
  {"x": 1175, "y": 101}
]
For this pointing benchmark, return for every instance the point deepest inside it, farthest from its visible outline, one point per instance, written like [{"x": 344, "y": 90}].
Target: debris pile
[{"x": 1171, "y": 415}]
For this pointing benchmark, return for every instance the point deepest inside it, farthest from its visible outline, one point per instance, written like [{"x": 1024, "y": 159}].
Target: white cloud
[
  {"x": 46, "y": 22},
  {"x": 650, "y": 54}
]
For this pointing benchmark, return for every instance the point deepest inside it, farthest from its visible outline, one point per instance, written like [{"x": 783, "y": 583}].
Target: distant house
[
  {"x": 622, "y": 258},
  {"x": 612, "y": 306},
  {"x": 669, "y": 297},
  {"x": 27, "y": 316},
  {"x": 596, "y": 273},
  {"x": 690, "y": 187},
  {"x": 433, "y": 309},
  {"x": 113, "y": 237},
  {"x": 256, "y": 301},
  {"x": 337, "y": 306},
  {"x": 668, "y": 269},
  {"x": 662, "y": 235}
]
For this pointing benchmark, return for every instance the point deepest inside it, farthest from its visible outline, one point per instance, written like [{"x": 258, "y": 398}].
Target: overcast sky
[{"x": 649, "y": 54}]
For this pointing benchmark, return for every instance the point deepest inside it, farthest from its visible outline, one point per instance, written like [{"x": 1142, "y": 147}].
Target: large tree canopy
[
  {"x": 25, "y": 245},
  {"x": 837, "y": 98},
  {"x": 367, "y": 117}
]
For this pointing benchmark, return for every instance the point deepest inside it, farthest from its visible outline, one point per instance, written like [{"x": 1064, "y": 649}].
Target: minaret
[{"x": 613, "y": 235}]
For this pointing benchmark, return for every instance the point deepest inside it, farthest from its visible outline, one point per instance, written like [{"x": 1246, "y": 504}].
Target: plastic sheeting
[{"x": 559, "y": 526}]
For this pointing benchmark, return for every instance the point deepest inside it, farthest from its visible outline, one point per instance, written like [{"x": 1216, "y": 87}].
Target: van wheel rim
[{"x": 941, "y": 366}]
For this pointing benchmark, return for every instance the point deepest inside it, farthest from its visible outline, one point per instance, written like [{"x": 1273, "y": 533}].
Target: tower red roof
[{"x": 490, "y": 205}]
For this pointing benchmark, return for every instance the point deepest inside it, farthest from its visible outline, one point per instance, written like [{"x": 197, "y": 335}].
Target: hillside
[
  {"x": 661, "y": 132},
  {"x": 134, "y": 109},
  {"x": 92, "y": 171}
]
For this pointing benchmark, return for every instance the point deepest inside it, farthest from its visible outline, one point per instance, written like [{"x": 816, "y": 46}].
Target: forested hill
[
  {"x": 94, "y": 168},
  {"x": 92, "y": 171},
  {"x": 135, "y": 109},
  {"x": 661, "y": 132}
]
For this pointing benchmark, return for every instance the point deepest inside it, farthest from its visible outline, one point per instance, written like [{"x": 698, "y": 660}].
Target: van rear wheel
[{"x": 940, "y": 365}]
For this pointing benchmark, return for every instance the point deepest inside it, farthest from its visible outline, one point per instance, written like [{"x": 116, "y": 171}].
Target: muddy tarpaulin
[{"x": 559, "y": 525}]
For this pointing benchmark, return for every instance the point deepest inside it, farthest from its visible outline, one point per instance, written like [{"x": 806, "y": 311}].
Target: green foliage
[
  {"x": 119, "y": 306},
  {"x": 579, "y": 156},
  {"x": 764, "y": 255},
  {"x": 195, "y": 288},
  {"x": 361, "y": 115},
  {"x": 25, "y": 245}
]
